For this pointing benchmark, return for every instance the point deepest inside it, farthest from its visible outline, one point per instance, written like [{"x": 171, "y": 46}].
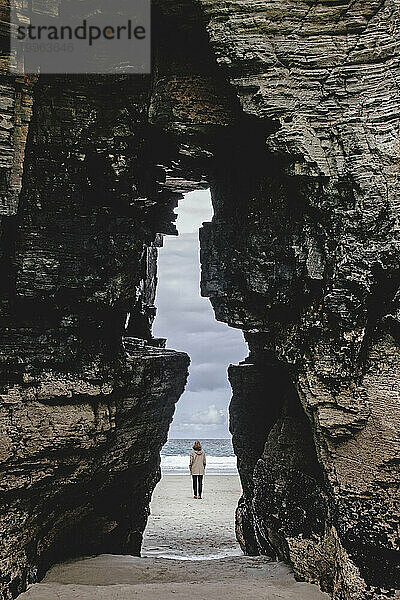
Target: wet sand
[
  {"x": 180, "y": 526},
  {"x": 198, "y": 533}
]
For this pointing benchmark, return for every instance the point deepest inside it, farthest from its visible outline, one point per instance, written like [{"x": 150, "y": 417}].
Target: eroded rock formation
[
  {"x": 288, "y": 111},
  {"x": 87, "y": 394},
  {"x": 312, "y": 274}
]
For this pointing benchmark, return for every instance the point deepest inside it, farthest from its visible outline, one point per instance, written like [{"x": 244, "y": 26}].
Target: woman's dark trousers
[{"x": 197, "y": 484}]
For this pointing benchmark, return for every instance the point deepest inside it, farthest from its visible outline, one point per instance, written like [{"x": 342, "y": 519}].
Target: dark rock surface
[
  {"x": 288, "y": 110},
  {"x": 87, "y": 393},
  {"x": 304, "y": 256}
]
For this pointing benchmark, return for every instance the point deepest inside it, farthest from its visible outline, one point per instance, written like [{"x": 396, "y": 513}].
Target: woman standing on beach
[{"x": 197, "y": 465}]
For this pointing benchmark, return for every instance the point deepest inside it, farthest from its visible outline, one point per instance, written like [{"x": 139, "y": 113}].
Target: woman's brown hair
[{"x": 197, "y": 445}]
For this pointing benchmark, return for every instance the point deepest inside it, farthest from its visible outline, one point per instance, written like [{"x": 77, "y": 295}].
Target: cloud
[
  {"x": 188, "y": 322},
  {"x": 208, "y": 376},
  {"x": 192, "y": 430},
  {"x": 210, "y": 422},
  {"x": 193, "y": 210},
  {"x": 211, "y": 416}
]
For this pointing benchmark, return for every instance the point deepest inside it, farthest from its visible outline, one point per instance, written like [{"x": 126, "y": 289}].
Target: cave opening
[
  {"x": 94, "y": 264},
  {"x": 187, "y": 321},
  {"x": 254, "y": 272}
]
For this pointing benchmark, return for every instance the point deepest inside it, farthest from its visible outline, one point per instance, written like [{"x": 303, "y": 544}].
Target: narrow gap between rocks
[{"x": 180, "y": 526}]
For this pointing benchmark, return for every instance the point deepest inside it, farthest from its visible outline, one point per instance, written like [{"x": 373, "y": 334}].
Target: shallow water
[{"x": 163, "y": 552}]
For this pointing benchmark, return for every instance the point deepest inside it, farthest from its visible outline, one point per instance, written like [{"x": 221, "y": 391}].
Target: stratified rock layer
[
  {"x": 306, "y": 260},
  {"x": 80, "y": 460},
  {"x": 87, "y": 395},
  {"x": 288, "y": 111}
]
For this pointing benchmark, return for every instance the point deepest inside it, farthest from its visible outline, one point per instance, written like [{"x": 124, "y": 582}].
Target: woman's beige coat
[{"x": 197, "y": 462}]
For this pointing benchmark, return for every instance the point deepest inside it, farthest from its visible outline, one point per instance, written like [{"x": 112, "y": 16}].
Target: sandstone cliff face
[{"x": 288, "y": 111}]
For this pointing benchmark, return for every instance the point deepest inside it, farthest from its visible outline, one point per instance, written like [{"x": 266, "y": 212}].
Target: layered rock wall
[
  {"x": 312, "y": 275},
  {"x": 87, "y": 395},
  {"x": 260, "y": 276}
]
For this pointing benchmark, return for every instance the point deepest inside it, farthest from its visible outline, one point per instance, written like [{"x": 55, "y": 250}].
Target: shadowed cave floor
[{"x": 193, "y": 532}]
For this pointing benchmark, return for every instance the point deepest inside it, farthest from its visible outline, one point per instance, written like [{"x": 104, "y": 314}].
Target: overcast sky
[{"x": 187, "y": 321}]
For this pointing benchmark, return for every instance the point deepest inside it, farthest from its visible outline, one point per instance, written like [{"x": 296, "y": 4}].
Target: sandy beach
[
  {"x": 189, "y": 550},
  {"x": 182, "y": 527}
]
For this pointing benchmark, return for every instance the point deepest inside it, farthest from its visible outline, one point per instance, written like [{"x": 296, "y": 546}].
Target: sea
[{"x": 221, "y": 459}]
